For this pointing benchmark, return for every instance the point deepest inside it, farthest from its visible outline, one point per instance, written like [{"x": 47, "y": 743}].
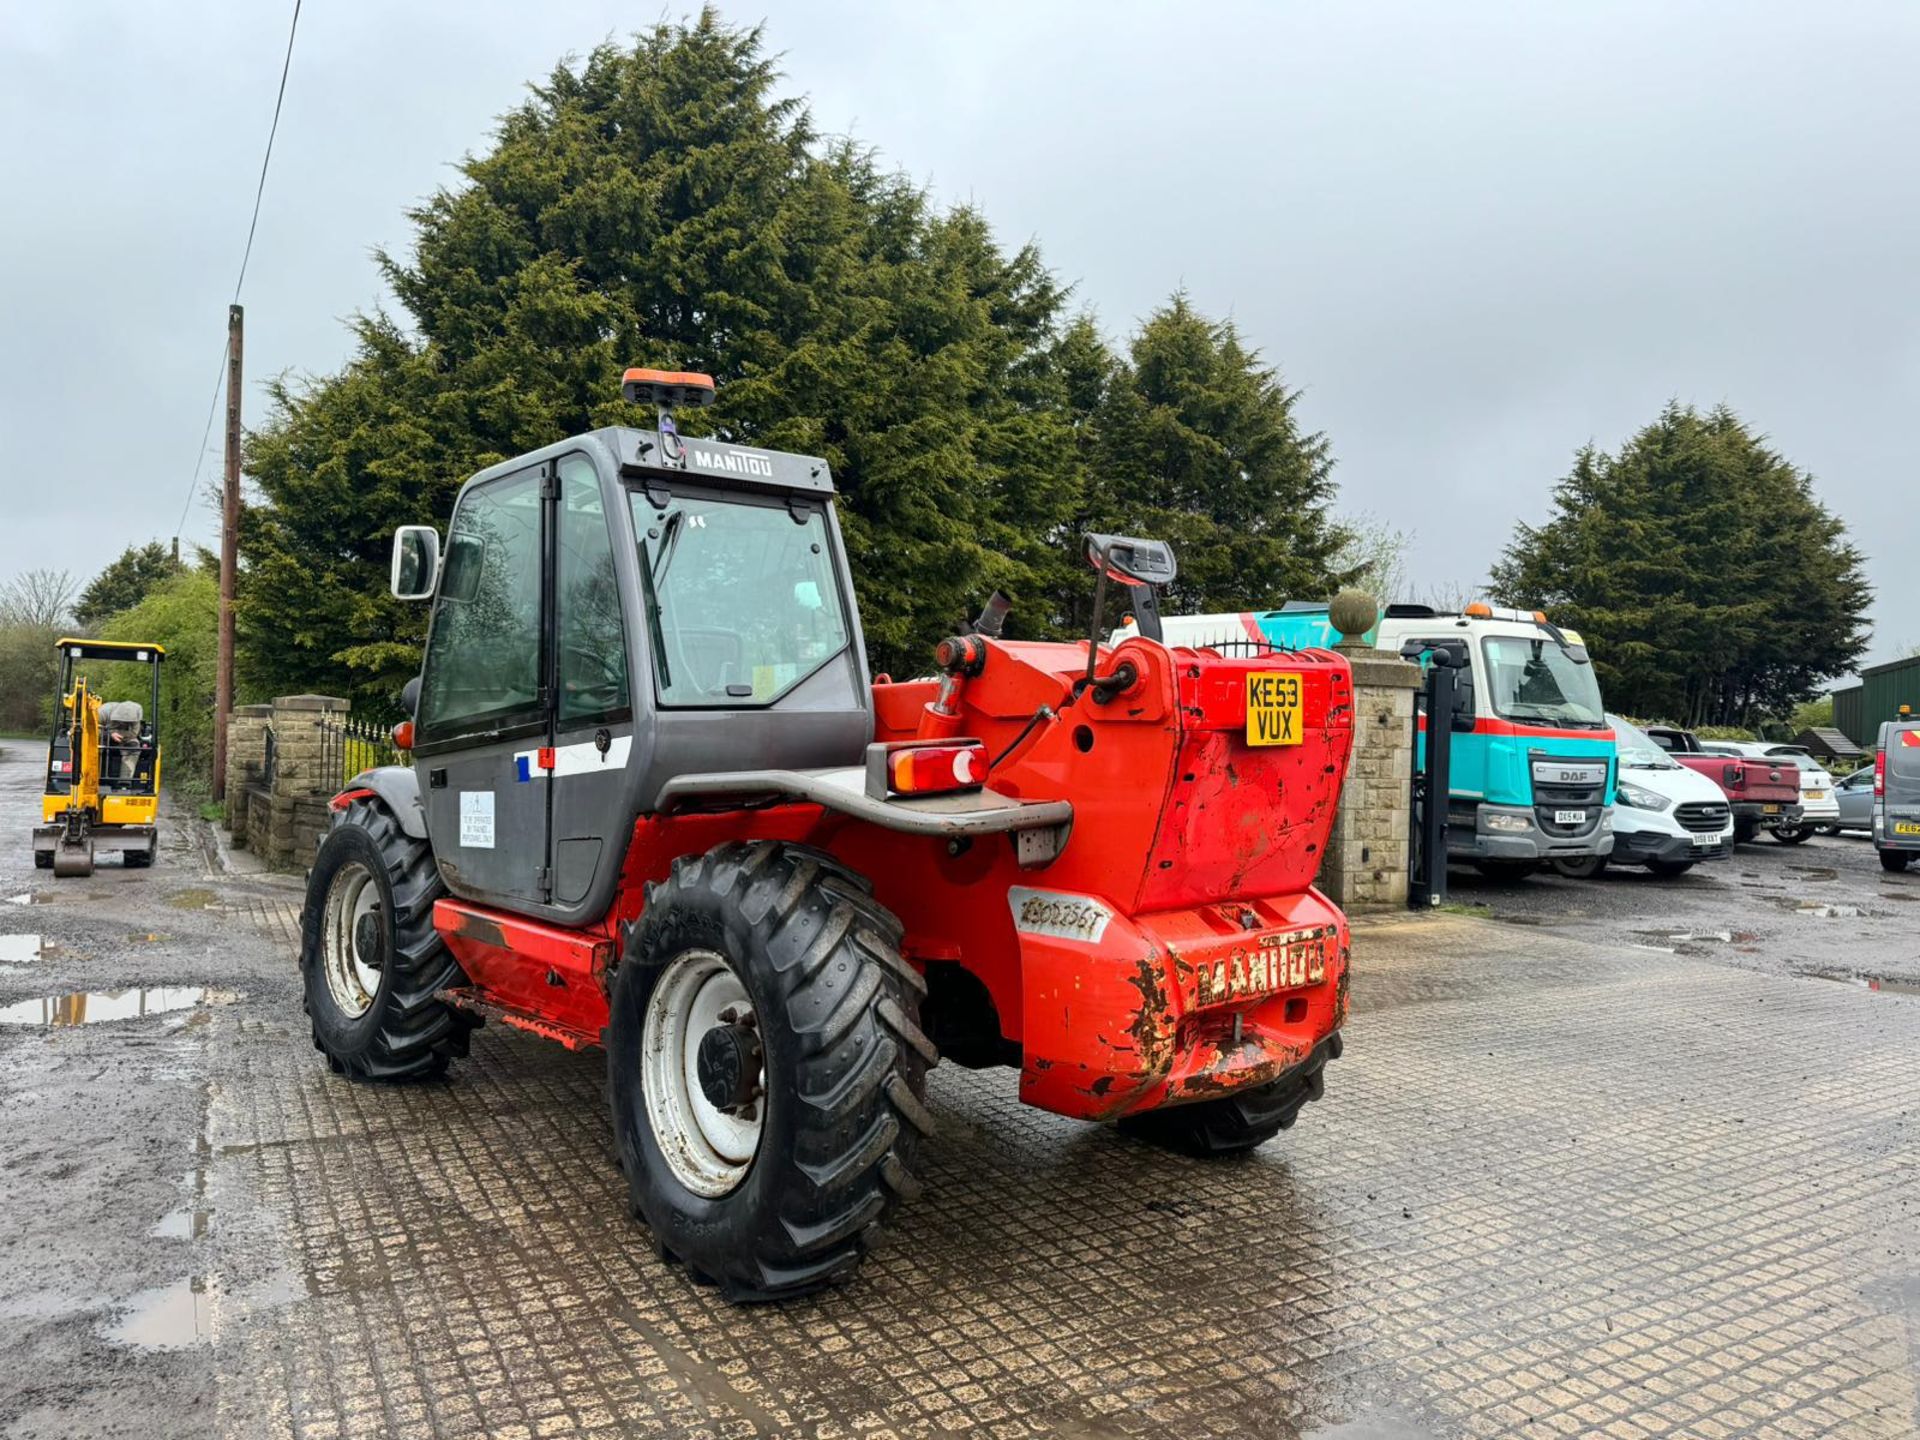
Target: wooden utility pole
[{"x": 229, "y": 552}]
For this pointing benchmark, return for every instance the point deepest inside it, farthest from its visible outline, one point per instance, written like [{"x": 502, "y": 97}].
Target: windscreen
[
  {"x": 1637, "y": 748},
  {"x": 742, "y": 600},
  {"x": 1535, "y": 682}
]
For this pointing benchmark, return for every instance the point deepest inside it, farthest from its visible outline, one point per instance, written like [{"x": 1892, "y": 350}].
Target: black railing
[{"x": 348, "y": 746}]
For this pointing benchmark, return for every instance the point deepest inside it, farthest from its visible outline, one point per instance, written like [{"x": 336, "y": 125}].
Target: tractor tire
[
  {"x": 370, "y": 958},
  {"x": 1235, "y": 1124},
  {"x": 1669, "y": 868},
  {"x": 766, "y": 1068},
  {"x": 1792, "y": 834},
  {"x": 1895, "y": 860},
  {"x": 1585, "y": 867},
  {"x": 1508, "y": 870}
]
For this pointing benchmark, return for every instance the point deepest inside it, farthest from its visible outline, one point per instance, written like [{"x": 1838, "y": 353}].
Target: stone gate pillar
[{"x": 1366, "y": 864}]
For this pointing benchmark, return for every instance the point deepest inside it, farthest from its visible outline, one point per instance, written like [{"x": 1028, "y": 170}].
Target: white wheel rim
[
  {"x": 709, "y": 1150},
  {"x": 351, "y": 980}
]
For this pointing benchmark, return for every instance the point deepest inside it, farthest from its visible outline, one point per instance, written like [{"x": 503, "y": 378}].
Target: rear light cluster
[
  {"x": 930, "y": 769},
  {"x": 62, "y": 767},
  {"x": 1879, "y": 773}
]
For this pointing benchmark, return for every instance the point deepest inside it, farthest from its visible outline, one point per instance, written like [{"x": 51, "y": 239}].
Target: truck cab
[{"x": 1533, "y": 769}]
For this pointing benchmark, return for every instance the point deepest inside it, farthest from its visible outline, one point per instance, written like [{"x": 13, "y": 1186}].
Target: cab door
[
  {"x": 593, "y": 706},
  {"x": 484, "y": 699}
]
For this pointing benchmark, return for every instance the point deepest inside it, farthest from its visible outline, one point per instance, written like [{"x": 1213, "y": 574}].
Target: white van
[{"x": 1665, "y": 816}]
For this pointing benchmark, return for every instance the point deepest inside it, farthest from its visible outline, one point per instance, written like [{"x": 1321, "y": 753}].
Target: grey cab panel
[{"x": 614, "y": 611}]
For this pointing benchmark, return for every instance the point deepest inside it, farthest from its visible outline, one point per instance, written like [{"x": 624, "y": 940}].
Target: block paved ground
[{"x": 1556, "y": 1188}]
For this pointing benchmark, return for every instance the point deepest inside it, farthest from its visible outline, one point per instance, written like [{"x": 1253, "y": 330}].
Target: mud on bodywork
[{"x": 1181, "y": 1006}]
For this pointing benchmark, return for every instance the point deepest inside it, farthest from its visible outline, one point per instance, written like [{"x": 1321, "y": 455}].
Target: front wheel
[
  {"x": 372, "y": 962},
  {"x": 766, "y": 1068},
  {"x": 1744, "y": 831},
  {"x": 1792, "y": 832},
  {"x": 1895, "y": 860},
  {"x": 1581, "y": 867},
  {"x": 1669, "y": 868}
]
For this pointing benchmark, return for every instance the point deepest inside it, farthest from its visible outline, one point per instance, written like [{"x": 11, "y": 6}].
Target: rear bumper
[
  {"x": 1128, "y": 1014},
  {"x": 1766, "y": 812}
]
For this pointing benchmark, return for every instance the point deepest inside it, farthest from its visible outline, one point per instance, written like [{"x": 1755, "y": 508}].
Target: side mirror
[
  {"x": 416, "y": 562},
  {"x": 1132, "y": 561}
]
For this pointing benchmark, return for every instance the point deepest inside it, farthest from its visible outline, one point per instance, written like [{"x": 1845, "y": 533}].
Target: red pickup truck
[{"x": 1761, "y": 792}]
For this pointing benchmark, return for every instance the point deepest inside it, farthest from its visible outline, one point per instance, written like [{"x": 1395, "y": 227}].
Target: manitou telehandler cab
[
  {"x": 656, "y": 803},
  {"x": 103, "y": 762}
]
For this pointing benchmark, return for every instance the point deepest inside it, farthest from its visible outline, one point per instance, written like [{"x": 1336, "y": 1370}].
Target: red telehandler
[{"x": 655, "y": 803}]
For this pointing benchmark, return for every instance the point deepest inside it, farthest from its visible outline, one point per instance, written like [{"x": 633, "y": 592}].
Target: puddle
[
  {"x": 28, "y": 899},
  {"x": 99, "y": 1006},
  {"x": 167, "y": 1317},
  {"x": 192, "y": 899},
  {"x": 1898, "y": 895},
  {"x": 187, "y": 1224},
  {"x": 1868, "y": 982},
  {"x": 19, "y": 949},
  {"x": 1814, "y": 872},
  {"x": 1814, "y": 908}
]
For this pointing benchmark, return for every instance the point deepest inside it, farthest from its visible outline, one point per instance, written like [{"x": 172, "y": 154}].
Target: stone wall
[
  {"x": 282, "y": 821},
  {"x": 1366, "y": 864}
]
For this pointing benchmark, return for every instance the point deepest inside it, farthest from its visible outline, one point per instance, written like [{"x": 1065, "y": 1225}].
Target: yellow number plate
[
  {"x": 1273, "y": 708},
  {"x": 1906, "y": 827}
]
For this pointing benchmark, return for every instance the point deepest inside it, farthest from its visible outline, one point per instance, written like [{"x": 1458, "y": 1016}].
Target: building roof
[{"x": 1825, "y": 740}]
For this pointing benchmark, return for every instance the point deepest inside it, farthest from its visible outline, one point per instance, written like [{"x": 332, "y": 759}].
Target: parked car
[
  {"x": 1818, "y": 805},
  {"x": 1761, "y": 792},
  {"x": 1665, "y": 816},
  {"x": 1854, "y": 795},
  {"x": 1896, "y": 793}
]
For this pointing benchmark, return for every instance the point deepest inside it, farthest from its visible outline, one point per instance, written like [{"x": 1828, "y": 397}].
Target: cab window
[
  {"x": 483, "y": 654},
  {"x": 742, "y": 599},
  {"x": 591, "y": 634}
]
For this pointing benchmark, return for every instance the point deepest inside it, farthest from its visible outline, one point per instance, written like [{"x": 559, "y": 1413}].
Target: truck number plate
[
  {"x": 1569, "y": 817},
  {"x": 1906, "y": 827},
  {"x": 1273, "y": 708},
  {"x": 1770, "y": 810}
]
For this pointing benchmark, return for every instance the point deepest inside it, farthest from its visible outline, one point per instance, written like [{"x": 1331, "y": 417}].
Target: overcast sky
[{"x": 1474, "y": 235}]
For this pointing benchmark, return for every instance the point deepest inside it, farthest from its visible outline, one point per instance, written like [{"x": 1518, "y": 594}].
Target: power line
[
  {"x": 259, "y": 191},
  {"x": 272, "y": 130}
]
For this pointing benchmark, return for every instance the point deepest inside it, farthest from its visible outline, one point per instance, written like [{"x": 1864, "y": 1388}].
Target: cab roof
[{"x": 81, "y": 649}]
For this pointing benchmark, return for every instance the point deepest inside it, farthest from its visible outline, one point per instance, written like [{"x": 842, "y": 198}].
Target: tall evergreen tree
[
  {"x": 125, "y": 582},
  {"x": 1709, "y": 580},
  {"x": 661, "y": 205},
  {"x": 1196, "y": 442}
]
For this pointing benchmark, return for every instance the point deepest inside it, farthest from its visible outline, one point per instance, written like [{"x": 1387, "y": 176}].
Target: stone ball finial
[{"x": 1353, "y": 613}]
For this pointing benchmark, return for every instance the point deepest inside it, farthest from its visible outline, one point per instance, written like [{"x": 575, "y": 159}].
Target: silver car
[{"x": 1855, "y": 794}]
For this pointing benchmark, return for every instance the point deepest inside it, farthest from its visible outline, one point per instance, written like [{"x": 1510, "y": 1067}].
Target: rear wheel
[
  {"x": 369, "y": 954},
  {"x": 1669, "y": 868},
  {"x": 1895, "y": 859},
  {"x": 1235, "y": 1124},
  {"x": 1506, "y": 869},
  {"x": 1792, "y": 832},
  {"x": 1583, "y": 867},
  {"x": 766, "y": 1068}
]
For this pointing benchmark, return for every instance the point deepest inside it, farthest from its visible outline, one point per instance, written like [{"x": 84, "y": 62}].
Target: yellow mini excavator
[{"x": 103, "y": 765}]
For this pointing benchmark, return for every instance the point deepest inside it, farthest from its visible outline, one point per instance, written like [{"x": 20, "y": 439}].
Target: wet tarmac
[{"x": 1659, "y": 1185}]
